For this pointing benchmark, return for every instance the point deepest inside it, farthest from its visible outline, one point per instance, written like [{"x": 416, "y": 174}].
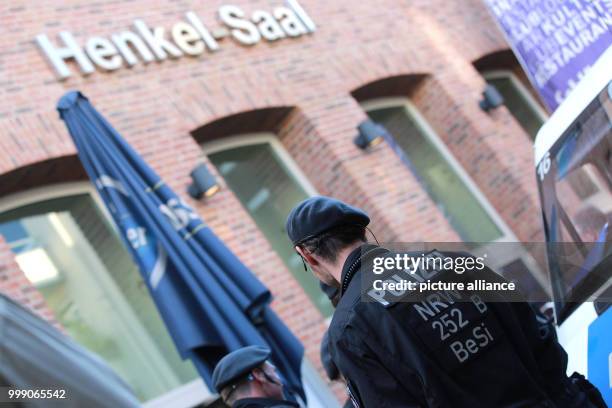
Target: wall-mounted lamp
[
  {"x": 491, "y": 99},
  {"x": 370, "y": 134},
  {"x": 203, "y": 183}
]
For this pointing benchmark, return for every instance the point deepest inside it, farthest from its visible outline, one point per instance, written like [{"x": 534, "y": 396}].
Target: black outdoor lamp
[
  {"x": 370, "y": 134},
  {"x": 491, "y": 99},
  {"x": 203, "y": 182}
]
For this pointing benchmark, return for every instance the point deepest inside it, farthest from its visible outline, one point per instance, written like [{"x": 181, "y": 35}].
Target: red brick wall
[{"x": 158, "y": 106}]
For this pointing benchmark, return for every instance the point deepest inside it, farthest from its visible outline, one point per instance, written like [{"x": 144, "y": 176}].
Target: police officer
[
  {"x": 245, "y": 379},
  {"x": 393, "y": 354}
]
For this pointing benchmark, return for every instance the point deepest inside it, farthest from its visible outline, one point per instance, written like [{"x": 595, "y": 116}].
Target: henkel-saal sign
[{"x": 189, "y": 37}]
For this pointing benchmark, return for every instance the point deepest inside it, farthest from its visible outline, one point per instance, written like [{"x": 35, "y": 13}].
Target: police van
[{"x": 573, "y": 158}]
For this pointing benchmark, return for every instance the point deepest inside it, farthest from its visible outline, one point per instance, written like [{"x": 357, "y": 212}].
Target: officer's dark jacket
[
  {"x": 394, "y": 356},
  {"x": 263, "y": 403}
]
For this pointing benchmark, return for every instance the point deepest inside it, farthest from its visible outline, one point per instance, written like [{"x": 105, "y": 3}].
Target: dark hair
[{"x": 330, "y": 242}]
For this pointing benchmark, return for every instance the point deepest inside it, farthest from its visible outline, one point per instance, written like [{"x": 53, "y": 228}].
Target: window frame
[
  {"x": 432, "y": 136},
  {"x": 185, "y": 396},
  {"x": 520, "y": 87},
  {"x": 319, "y": 394},
  {"x": 249, "y": 139},
  {"x": 507, "y": 233}
]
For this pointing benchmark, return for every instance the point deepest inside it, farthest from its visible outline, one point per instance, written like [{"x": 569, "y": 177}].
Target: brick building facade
[{"x": 308, "y": 93}]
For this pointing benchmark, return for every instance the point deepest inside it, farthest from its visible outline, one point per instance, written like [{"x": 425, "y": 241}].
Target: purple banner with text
[{"x": 556, "y": 41}]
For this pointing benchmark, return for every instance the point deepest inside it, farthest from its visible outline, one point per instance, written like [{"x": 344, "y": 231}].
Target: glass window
[
  {"x": 71, "y": 255},
  {"x": 516, "y": 101},
  {"x": 578, "y": 221},
  {"x": 267, "y": 189},
  {"x": 445, "y": 187}
]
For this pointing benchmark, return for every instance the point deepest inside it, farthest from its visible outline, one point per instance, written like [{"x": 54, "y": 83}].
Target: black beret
[
  {"x": 316, "y": 215},
  {"x": 238, "y": 364}
]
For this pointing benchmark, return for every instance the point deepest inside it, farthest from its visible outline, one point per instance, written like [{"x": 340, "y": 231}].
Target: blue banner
[{"x": 556, "y": 41}]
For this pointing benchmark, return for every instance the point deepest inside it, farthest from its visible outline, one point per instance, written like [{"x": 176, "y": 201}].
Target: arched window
[
  {"x": 268, "y": 183},
  {"x": 440, "y": 174},
  {"x": 519, "y": 101},
  {"x": 454, "y": 193},
  {"x": 502, "y": 70},
  {"x": 65, "y": 245}
]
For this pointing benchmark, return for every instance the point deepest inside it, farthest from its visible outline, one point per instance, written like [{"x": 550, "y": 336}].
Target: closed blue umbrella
[{"x": 210, "y": 302}]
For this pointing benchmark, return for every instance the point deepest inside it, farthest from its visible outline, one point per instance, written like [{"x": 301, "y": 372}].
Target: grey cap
[{"x": 238, "y": 364}]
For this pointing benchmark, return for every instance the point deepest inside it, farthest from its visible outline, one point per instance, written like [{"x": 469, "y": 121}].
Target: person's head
[
  {"x": 247, "y": 373},
  {"x": 260, "y": 382},
  {"x": 323, "y": 230}
]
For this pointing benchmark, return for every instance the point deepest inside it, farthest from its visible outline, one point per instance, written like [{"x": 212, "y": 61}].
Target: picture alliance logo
[{"x": 191, "y": 37}]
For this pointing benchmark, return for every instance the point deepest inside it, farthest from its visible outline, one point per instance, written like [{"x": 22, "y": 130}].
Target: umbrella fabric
[{"x": 210, "y": 302}]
